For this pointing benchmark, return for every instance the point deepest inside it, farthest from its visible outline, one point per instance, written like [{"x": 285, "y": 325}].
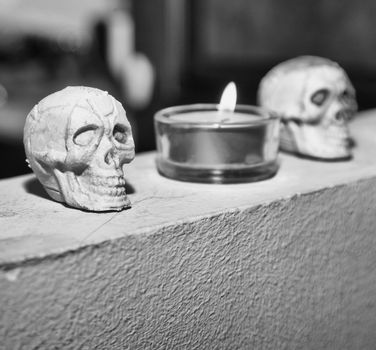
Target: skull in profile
[
  {"x": 315, "y": 100},
  {"x": 76, "y": 142}
]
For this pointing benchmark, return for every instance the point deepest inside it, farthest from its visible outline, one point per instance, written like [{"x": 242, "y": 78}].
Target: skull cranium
[
  {"x": 315, "y": 100},
  {"x": 77, "y": 141}
]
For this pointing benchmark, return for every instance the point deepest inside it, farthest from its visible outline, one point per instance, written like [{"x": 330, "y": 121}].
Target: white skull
[
  {"x": 315, "y": 100},
  {"x": 77, "y": 141}
]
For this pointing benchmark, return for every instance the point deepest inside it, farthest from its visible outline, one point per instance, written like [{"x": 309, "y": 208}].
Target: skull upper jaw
[
  {"x": 326, "y": 137},
  {"x": 330, "y": 143},
  {"x": 106, "y": 193}
]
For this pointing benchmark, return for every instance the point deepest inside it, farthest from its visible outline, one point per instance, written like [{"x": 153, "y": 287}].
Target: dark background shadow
[{"x": 195, "y": 48}]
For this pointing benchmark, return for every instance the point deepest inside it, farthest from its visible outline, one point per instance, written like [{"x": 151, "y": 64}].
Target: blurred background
[{"x": 151, "y": 54}]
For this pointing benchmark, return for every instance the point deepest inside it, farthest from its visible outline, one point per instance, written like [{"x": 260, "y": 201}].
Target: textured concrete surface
[{"x": 287, "y": 263}]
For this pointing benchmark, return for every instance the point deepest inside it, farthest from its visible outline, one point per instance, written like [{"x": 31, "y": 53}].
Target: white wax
[{"x": 223, "y": 117}]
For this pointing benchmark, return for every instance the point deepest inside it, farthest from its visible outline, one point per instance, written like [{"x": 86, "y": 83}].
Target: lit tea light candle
[
  {"x": 221, "y": 143},
  {"x": 223, "y": 114}
]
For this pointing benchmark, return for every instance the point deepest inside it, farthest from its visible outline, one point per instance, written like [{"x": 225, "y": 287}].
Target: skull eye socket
[
  {"x": 320, "y": 96},
  {"x": 85, "y": 135},
  {"x": 120, "y": 133}
]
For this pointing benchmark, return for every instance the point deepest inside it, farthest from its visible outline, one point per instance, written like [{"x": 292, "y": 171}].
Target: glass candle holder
[{"x": 200, "y": 143}]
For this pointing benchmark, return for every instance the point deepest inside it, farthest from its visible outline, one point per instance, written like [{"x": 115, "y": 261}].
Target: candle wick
[{"x": 224, "y": 118}]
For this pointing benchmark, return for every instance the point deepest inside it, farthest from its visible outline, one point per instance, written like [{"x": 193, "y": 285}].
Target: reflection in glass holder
[{"x": 200, "y": 143}]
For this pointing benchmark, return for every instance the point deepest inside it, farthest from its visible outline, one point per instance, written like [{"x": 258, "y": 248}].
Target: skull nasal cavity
[
  {"x": 341, "y": 116},
  {"x": 109, "y": 158}
]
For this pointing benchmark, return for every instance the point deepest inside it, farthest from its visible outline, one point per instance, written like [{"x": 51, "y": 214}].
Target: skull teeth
[
  {"x": 113, "y": 186},
  {"x": 109, "y": 191},
  {"x": 339, "y": 134},
  {"x": 110, "y": 181}
]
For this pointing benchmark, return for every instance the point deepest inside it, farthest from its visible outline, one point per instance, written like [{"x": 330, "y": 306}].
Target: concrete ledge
[{"x": 285, "y": 263}]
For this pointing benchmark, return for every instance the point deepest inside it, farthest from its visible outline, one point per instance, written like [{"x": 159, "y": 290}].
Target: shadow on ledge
[{"x": 34, "y": 187}]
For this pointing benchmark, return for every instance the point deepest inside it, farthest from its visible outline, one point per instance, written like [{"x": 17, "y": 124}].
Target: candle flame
[{"x": 228, "y": 99}]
